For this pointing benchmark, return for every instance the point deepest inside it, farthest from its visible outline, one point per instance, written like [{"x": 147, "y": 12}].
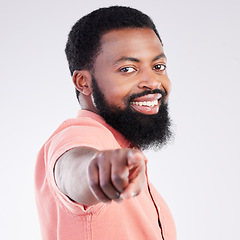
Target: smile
[{"x": 148, "y": 103}]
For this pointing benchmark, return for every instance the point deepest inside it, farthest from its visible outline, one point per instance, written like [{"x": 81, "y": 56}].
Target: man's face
[
  {"x": 130, "y": 86},
  {"x": 130, "y": 62}
]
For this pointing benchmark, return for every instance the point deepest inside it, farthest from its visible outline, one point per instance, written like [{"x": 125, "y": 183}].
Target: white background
[{"x": 198, "y": 174}]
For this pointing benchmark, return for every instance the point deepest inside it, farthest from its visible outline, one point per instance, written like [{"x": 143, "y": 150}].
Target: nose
[{"x": 149, "y": 80}]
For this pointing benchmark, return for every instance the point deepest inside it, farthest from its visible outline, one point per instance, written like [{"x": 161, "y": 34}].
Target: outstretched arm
[{"x": 89, "y": 176}]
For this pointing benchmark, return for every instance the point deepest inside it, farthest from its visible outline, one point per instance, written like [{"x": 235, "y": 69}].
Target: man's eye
[
  {"x": 127, "y": 69},
  {"x": 160, "y": 67}
]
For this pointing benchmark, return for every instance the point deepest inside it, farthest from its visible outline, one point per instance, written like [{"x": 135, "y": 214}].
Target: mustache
[{"x": 146, "y": 92}]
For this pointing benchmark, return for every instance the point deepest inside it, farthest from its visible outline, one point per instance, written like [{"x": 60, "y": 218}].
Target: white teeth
[{"x": 148, "y": 103}]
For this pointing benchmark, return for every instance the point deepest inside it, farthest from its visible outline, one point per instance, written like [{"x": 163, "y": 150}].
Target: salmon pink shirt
[{"x": 143, "y": 217}]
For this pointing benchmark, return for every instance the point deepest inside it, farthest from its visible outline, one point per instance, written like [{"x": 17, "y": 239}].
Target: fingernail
[
  {"x": 127, "y": 196},
  {"x": 124, "y": 196},
  {"x": 120, "y": 197},
  {"x": 133, "y": 194}
]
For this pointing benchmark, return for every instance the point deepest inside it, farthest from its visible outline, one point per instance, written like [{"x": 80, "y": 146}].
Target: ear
[{"x": 82, "y": 81}]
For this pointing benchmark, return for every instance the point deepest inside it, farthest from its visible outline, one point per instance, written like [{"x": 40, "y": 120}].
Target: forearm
[
  {"x": 88, "y": 176},
  {"x": 71, "y": 175}
]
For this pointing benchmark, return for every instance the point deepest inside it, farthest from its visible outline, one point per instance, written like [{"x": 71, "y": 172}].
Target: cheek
[
  {"x": 167, "y": 86},
  {"x": 117, "y": 94}
]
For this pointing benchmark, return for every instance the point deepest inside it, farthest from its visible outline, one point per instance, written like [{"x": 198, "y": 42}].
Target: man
[{"x": 91, "y": 176}]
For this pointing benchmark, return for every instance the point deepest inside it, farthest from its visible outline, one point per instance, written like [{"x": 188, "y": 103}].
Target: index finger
[
  {"x": 120, "y": 170},
  {"x": 135, "y": 158}
]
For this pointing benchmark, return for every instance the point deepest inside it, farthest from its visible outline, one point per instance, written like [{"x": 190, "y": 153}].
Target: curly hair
[{"x": 84, "y": 39}]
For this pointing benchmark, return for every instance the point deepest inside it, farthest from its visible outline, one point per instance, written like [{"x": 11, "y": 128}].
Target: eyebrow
[
  {"x": 162, "y": 55},
  {"x": 132, "y": 59}
]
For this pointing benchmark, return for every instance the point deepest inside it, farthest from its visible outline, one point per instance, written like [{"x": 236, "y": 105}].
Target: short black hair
[{"x": 84, "y": 39}]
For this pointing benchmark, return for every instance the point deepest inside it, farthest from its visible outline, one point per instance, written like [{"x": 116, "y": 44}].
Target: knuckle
[
  {"x": 116, "y": 195},
  {"x": 104, "y": 184},
  {"x": 117, "y": 179},
  {"x": 91, "y": 167},
  {"x": 103, "y": 198},
  {"x": 93, "y": 184}
]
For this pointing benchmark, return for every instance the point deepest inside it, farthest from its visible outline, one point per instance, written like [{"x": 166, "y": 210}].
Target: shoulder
[{"x": 86, "y": 130}]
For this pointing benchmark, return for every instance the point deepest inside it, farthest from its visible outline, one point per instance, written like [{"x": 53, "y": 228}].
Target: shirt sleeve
[{"x": 95, "y": 136}]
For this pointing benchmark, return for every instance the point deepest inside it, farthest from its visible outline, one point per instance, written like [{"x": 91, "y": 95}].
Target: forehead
[{"x": 139, "y": 43}]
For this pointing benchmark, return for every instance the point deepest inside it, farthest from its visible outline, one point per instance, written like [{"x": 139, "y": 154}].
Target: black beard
[{"x": 143, "y": 131}]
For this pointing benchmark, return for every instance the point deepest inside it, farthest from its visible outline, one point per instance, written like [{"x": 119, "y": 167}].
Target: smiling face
[
  {"x": 130, "y": 65},
  {"x": 129, "y": 87}
]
